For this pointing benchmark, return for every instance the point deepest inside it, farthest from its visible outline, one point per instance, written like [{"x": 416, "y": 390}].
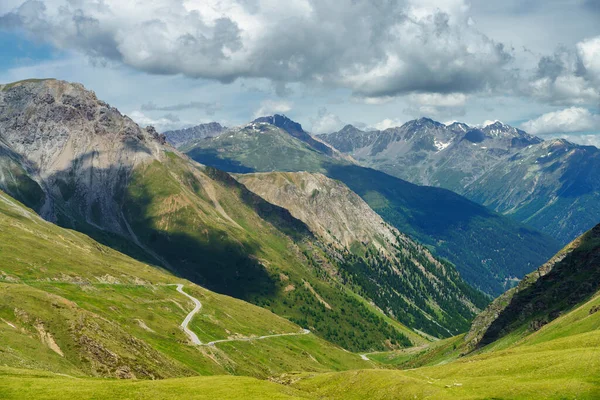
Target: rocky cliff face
[
  {"x": 76, "y": 148},
  {"x": 328, "y": 207}
]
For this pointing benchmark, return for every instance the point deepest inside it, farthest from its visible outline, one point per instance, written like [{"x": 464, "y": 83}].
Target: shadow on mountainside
[
  {"x": 479, "y": 242},
  {"x": 571, "y": 281},
  {"x": 211, "y": 158},
  {"x": 194, "y": 246}
]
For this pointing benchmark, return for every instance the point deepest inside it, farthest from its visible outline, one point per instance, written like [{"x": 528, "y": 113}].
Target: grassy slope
[
  {"x": 468, "y": 235},
  {"x": 110, "y": 315},
  {"x": 568, "y": 279},
  {"x": 561, "y": 360}
]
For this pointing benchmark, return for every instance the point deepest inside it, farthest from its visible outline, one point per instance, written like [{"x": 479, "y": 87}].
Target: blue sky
[{"x": 326, "y": 63}]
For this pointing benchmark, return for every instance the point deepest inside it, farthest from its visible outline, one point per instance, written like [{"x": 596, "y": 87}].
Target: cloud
[
  {"x": 162, "y": 124},
  {"x": 269, "y": 107},
  {"x": 209, "y": 108},
  {"x": 574, "y": 119},
  {"x": 387, "y": 123},
  {"x": 326, "y": 122},
  {"x": 583, "y": 139},
  {"x": 571, "y": 76},
  {"x": 436, "y": 105},
  {"x": 375, "y": 49}
]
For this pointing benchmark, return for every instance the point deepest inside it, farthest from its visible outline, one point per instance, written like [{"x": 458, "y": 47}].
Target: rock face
[
  {"x": 186, "y": 137},
  {"x": 571, "y": 277},
  {"x": 549, "y": 185},
  {"x": 77, "y": 149},
  {"x": 328, "y": 207}
]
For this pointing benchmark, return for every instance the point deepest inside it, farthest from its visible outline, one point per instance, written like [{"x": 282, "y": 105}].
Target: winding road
[
  {"x": 194, "y": 338},
  {"x": 188, "y": 318}
]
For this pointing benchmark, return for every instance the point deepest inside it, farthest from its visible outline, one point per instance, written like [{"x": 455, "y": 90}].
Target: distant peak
[
  {"x": 423, "y": 121},
  {"x": 281, "y": 121},
  {"x": 494, "y": 123},
  {"x": 350, "y": 129}
]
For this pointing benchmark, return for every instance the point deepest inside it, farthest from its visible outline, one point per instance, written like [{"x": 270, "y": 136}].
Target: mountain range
[
  {"x": 547, "y": 184},
  {"x": 83, "y": 165},
  {"x": 489, "y": 250}
]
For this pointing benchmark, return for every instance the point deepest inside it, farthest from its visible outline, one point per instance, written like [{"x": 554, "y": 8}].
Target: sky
[{"x": 324, "y": 63}]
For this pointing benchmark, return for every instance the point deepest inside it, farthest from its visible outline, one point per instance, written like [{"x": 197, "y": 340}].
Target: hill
[
  {"x": 558, "y": 361},
  {"x": 490, "y": 251}
]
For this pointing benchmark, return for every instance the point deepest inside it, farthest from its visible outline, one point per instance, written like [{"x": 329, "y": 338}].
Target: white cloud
[
  {"x": 589, "y": 53},
  {"x": 571, "y": 76},
  {"x": 436, "y": 105},
  {"x": 162, "y": 124},
  {"x": 374, "y": 49},
  {"x": 574, "y": 119},
  {"x": 387, "y": 123},
  {"x": 583, "y": 139},
  {"x": 269, "y": 107},
  {"x": 326, "y": 122}
]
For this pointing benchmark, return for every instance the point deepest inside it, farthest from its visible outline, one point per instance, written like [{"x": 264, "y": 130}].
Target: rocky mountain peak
[
  {"x": 77, "y": 148},
  {"x": 283, "y": 122},
  {"x": 295, "y": 130},
  {"x": 421, "y": 123},
  {"x": 350, "y": 129},
  {"x": 458, "y": 127}
]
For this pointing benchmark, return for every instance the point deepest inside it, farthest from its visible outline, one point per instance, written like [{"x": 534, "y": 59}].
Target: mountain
[
  {"x": 74, "y": 310},
  {"x": 399, "y": 275},
  {"x": 570, "y": 279},
  {"x": 295, "y": 130},
  {"x": 84, "y": 165},
  {"x": 259, "y": 146},
  {"x": 549, "y": 185},
  {"x": 187, "y": 136},
  {"x": 490, "y": 251},
  {"x": 552, "y": 186},
  {"x": 72, "y": 306}
]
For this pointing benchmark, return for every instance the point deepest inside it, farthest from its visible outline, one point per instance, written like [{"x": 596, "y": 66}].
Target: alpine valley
[{"x": 260, "y": 261}]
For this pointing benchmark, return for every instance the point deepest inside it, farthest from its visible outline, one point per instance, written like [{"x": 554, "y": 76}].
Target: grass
[
  {"x": 562, "y": 368},
  {"x": 64, "y": 294},
  {"x": 110, "y": 315},
  {"x": 17, "y": 384}
]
